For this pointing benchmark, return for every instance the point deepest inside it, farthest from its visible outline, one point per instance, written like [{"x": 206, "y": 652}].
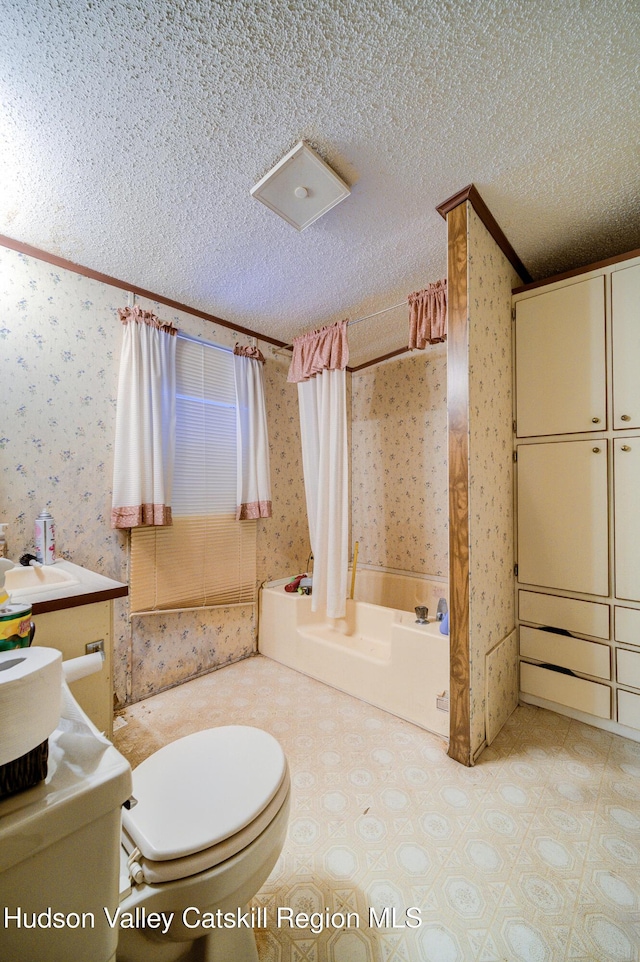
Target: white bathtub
[{"x": 376, "y": 652}]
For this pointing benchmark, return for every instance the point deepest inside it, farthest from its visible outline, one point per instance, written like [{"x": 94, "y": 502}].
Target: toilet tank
[{"x": 60, "y": 850}]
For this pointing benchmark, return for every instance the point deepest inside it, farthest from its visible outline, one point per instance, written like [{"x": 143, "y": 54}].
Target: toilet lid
[{"x": 201, "y": 789}]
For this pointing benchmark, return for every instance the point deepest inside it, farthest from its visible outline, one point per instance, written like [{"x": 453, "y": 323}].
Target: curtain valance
[
  {"x": 428, "y": 315},
  {"x": 246, "y": 350},
  {"x": 139, "y": 316},
  {"x": 324, "y": 350}
]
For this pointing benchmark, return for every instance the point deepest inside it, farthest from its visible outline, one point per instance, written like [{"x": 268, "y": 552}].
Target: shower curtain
[{"x": 318, "y": 367}]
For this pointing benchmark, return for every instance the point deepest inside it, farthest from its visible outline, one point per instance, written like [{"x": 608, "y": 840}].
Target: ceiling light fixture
[{"x": 301, "y": 187}]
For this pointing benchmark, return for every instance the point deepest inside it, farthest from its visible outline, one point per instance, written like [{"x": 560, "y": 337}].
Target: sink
[{"x": 21, "y": 580}]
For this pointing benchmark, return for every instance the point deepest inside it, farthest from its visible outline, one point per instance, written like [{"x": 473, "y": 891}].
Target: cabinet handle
[
  {"x": 595, "y": 420},
  {"x": 625, "y": 447},
  {"x": 625, "y": 417},
  {"x": 596, "y": 450}
]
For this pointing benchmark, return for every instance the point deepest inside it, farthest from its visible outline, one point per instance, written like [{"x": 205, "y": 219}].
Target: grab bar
[{"x": 353, "y": 568}]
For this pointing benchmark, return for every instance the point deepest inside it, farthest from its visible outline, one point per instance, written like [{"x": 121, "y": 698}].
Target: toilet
[
  {"x": 207, "y": 824},
  {"x": 166, "y": 878}
]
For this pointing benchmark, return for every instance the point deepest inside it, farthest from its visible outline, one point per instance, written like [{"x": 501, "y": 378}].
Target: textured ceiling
[{"x": 131, "y": 134}]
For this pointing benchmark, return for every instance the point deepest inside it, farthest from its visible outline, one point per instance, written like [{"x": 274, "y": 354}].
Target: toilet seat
[{"x": 202, "y": 799}]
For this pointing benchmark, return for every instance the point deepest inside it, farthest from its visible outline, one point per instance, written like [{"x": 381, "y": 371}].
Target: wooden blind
[
  {"x": 195, "y": 562},
  {"x": 206, "y": 557}
]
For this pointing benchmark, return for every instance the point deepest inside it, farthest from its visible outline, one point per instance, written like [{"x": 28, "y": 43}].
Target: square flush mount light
[{"x": 301, "y": 187}]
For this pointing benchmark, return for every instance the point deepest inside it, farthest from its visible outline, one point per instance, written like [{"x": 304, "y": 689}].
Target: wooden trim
[
  {"x": 133, "y": 288},
  {"x": 75, "y": 601},
  {"x": 617, "y": 259},
  {"x": 378, "y": 360},
  {"x": 454, "y": 201},
  {"x": 458, "y": 445},
  {"x": 470, "y": 193}
]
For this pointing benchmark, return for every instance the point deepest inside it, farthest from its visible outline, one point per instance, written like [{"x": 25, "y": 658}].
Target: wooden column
[{"x": 458, "y": 409}]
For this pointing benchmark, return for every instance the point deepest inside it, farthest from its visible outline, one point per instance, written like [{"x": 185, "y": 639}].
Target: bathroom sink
[{"x": 21, "y": 580}]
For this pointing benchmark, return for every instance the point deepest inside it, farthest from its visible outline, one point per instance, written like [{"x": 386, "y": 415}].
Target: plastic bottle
[
  {"x": 45, "y": 538},
  {"x": 3, "y": 541}
]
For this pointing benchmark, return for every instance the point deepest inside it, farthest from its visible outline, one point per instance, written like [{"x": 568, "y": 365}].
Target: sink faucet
[{"x": 30, "y": 559}]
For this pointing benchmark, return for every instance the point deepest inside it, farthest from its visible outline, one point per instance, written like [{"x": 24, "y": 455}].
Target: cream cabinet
[
  {"x": 626, "y": 496},
  {"x": 625, "y": 314},
  {"x": 560, "y": 365},
  {"x": 70, "y": 630},
  {"x": 562, "y": 516},
  {"x": 577, "y": 476}
]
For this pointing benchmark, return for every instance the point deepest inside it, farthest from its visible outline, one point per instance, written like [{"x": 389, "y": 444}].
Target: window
[{"x": 205, "y": 558}]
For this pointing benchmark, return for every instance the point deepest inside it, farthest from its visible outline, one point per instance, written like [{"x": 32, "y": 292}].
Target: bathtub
[{"x": 376, "y": 652}]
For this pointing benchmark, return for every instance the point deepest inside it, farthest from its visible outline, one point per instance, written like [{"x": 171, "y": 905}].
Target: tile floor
[{"x": 533, "y": 854}]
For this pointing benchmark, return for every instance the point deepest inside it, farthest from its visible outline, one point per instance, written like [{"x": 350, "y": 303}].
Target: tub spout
[{"x": 422, "y": 615}]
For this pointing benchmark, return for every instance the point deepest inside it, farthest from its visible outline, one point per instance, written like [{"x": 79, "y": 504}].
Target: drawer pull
[
  {"x": 625, "y": 417},
  {"x": 625, "y": 447},
  {"x": 595, "y": 420},
  {"x": 596, "y": 450}
]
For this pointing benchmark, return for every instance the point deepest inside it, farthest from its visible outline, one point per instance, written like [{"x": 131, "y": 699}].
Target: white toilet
[
  {"x": 207, "y": 828},
  {"x": 171, "y": 883}
]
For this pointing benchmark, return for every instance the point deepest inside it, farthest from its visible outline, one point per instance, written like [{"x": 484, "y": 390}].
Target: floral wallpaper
[
  {"x": 491, "y": 550},
  {"x": 399, "y": 498},
  {"x": 60, "y": 340},
  {"x": 283, "y": 539}
]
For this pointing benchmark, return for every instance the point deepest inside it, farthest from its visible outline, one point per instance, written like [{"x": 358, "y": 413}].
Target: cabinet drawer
[
  {"x": 627, "y": 625},
  {"x": 628, "y": 709},
  {"x": 587, "y": 696},
  {"x": 628, "y": 667},
  {"x": 588, "y": 657},
  {"x": 583, "y": 617}
]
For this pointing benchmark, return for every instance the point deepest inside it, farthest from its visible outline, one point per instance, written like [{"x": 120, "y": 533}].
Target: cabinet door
[
  {"x": 560, "y": 361},
  {"x": 563, "y": 530},
  {"x": 70, "y": 630},
  {"x": 626, "y": 488},
  {"x": 625, "y": 303}
]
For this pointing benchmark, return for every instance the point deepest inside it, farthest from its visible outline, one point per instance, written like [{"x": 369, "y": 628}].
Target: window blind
[{"x": 206, "y": 557}]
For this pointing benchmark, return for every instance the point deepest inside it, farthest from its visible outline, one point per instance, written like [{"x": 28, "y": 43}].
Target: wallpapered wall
[
  {"x": 399, "y": 496},
  {"x": 60, "y": 340},
  {"x": 492, "y": 638}
]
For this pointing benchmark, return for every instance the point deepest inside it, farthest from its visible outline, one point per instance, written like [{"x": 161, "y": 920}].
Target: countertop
[{"x": 89, "y": 588}]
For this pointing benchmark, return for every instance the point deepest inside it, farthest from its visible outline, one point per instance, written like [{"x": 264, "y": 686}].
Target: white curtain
[
  {"x": 145, "y": 422},
  {"x": 254, "y": 481},
  {"x": 323, "y": 428}
]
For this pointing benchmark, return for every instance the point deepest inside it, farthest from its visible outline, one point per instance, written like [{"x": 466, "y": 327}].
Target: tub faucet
[
  {"x": 309, "y": 560},
  {"x": 442, "y": 609}
]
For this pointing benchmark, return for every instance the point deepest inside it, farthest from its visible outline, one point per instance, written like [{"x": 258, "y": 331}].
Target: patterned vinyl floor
[{"x": 399, "y": 854}]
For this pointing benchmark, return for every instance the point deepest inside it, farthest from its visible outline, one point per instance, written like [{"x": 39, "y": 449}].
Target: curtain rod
[
  {"x": 375, "y": 314},
  {"x": 357, "y": 320}
]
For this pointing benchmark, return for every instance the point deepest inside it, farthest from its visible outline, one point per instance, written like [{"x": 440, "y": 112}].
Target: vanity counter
[{"x": 84, "y": 588}]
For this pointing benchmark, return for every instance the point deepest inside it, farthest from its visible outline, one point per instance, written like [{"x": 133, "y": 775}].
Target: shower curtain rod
[{"x": 357, "y": 320}]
